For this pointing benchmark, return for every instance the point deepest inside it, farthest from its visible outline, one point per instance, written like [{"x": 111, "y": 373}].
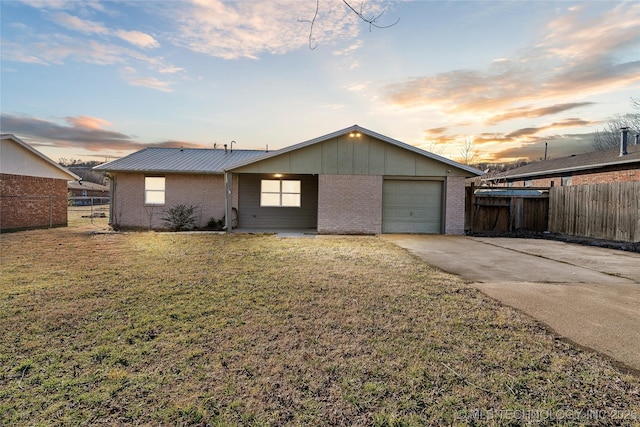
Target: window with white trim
[
  {"x": 154, "y": 190},
  {"x": 280, "y": 193}
]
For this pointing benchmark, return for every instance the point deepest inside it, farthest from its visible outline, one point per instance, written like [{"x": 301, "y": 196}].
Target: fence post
[{"x": 50, "y": 211}]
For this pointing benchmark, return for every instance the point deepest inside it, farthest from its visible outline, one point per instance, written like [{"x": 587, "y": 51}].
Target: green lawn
[{"x": 197, "y": 329}]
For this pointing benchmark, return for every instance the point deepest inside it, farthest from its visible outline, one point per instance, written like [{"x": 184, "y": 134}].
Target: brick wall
[
  {"x": 206, "y": 192},
  {"x": 350, "y": 204},
  {"x": 540, "y": 182},
  {"x": 454, "y": 205},
  {"x": 627, "y": 175},
  {"x": 616, "y": 174},
  {"x": 32, "y": 202}
]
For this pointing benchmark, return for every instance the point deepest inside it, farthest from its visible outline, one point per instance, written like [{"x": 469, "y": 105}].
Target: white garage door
[{"x": 412, "y": 206}]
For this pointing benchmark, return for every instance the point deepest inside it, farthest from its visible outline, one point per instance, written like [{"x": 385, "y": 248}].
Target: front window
[
  {"x": 154, "y": 190},
  {"x": 280, "y": 193}
]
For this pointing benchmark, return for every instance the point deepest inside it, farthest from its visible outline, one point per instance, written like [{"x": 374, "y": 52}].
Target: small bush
[
  {"x": 216, "y": 224},
  {"x": 180, "y": 217}
]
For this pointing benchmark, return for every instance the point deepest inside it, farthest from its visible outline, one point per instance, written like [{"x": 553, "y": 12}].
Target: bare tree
[
  {"x": 609, "y": 136},
  {"x": 372, "y": 20},
  {"x": 468, "y": 152},
  {"x": 435, "y": 148}
]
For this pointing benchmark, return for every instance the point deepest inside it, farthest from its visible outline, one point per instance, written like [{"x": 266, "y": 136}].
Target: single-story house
[
  {"x": 352, "y": 181},
  {"x": 598, "y": 167},
  {"x": 85, "y": 193},
  {"x": 33, "y": 188}
]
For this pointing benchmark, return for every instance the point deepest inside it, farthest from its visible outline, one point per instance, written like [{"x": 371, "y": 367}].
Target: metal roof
[
  {"x": 356, "y": 128},
  {"x": 190, "y": 160},
  {"x": 179, "y": 160},
  {"x": 506, "y": 192},
  {"x": 580, "y": 162},
  {"x": 86, "y": 185}
]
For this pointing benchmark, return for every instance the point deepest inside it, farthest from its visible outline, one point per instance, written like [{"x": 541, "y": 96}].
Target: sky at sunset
[{"x": 97, "y": 80}]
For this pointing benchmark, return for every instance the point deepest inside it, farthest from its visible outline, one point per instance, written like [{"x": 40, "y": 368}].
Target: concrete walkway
[{"x": 586, "y": 294}]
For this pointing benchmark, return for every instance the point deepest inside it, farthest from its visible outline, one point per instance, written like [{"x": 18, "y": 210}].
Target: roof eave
[
  {"x": 39, "y": 154},
  {"x": 356, "y": 128},
  {"x": 565, "y": 170},
  {"x": 161, "y": 171}
]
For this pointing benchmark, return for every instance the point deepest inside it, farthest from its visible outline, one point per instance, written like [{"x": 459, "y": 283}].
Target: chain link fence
[{"x": 88, "y": 210}]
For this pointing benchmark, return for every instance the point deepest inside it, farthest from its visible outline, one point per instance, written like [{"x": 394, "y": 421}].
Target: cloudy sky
[{"x": 96, "y": 80}]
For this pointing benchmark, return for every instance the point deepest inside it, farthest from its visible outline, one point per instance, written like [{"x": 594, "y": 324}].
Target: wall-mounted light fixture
[
  {"x": 277, "y": 175},
  {"x": 355, "y": 135}
]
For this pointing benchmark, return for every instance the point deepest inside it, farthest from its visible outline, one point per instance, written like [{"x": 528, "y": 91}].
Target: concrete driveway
[{"x": 586, "y": 294}]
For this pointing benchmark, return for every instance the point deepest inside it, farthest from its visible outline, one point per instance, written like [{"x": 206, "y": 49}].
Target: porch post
[{"x": 228, "y": 201}]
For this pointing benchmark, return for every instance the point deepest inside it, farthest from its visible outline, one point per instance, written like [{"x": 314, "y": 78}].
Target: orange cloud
[
  {"x": 529, "y": 112},
  {"x": 577, "y": 57},
  {"x": 87, "y": 122},
  {"x": 84, "y": 132},
  {"x": 572, "y": 122},
  {"x": 435, "y": 131}
]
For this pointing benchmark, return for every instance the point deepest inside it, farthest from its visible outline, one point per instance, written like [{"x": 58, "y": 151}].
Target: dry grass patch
[{"x": 189, "y": 329}]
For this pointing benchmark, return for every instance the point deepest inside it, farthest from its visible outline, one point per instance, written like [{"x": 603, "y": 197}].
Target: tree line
[{"x": 609, "y": 136}]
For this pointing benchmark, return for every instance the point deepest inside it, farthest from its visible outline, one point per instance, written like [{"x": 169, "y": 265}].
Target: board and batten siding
[
  {"x": 252, "y": 216},
  {"x": 345, "y": 155}
]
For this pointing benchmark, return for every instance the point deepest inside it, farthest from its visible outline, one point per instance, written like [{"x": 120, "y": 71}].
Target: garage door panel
[{"x": 412, "y": 206}]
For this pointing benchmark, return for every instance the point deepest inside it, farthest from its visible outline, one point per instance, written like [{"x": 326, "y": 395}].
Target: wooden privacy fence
[
  {"x": 506, "y": 210},
  {"x": 602, "y": 211}
]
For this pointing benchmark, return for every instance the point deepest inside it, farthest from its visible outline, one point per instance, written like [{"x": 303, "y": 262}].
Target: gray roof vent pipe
[{"x": 623, "y": 141}]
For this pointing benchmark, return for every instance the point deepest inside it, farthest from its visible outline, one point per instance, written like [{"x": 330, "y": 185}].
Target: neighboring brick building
[
  {"x": 33, "y": 188},
  {"x": 352, "y": 181},
  {"x": 87, "y": 189},
  {"x": 85, "y": 193},
  {"x": 614, "y": 165}
]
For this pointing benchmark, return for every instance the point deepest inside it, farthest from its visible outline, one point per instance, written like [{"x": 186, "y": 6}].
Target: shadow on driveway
[{"x": 588, "y": 295}]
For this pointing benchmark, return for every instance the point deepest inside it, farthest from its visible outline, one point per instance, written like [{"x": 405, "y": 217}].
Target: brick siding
[
  {"x": 90, "y": 193},
  {"x": 628, "y": 175},
  {"x": 540, "y": 182},
  {"x": 616, "y": 174},
  {"x": 32, "y": 202},
  {"x": 454, "y": 205},
  {"x": 206, "y": 192},
  {"x": 350, "y": 204}
]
